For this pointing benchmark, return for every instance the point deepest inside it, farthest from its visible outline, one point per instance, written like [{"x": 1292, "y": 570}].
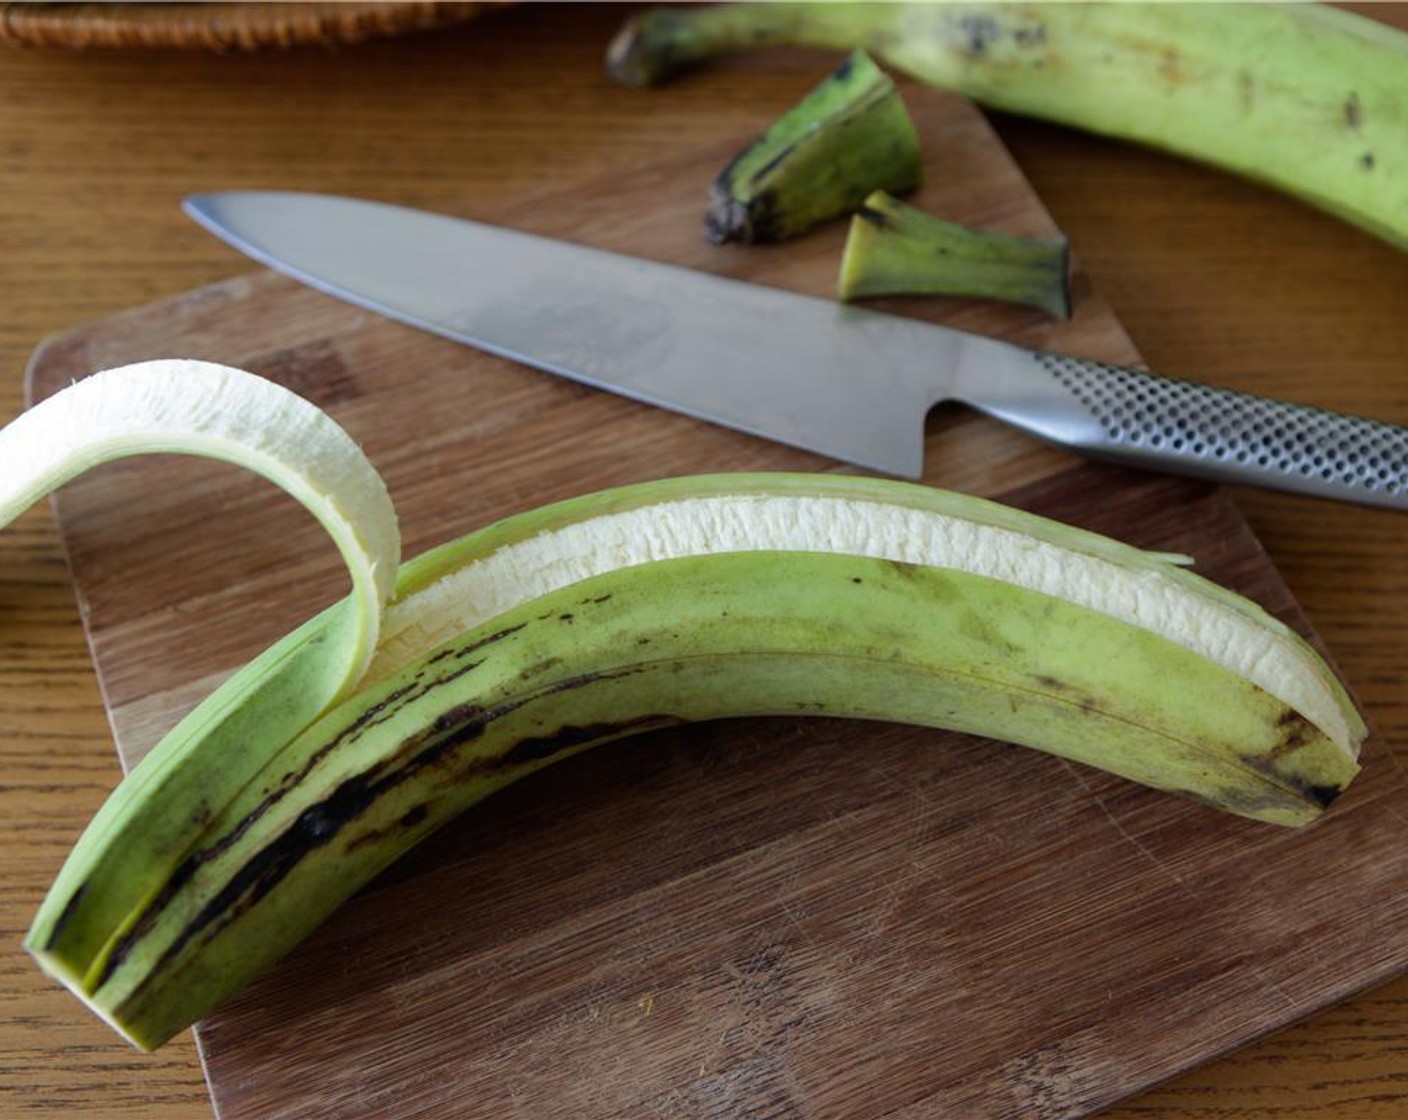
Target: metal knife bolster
[{"x": 1161, "y": 423}]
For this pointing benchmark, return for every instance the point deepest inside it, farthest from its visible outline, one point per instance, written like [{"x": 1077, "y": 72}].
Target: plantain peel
[
  {"x": 848, "y": 137},
  {"x": 640, "y": 608},
  {"x": 895, "y": 250}
]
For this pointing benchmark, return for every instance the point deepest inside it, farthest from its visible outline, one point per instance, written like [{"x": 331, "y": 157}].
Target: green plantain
[
  {"x": 1306, "y": 98},
  {"x": 632, "y": 609},
  {"x": 696, "y": 598}
]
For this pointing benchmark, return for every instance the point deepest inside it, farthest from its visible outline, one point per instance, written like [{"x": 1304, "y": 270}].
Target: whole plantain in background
[{"x": 1305, "y": 98}]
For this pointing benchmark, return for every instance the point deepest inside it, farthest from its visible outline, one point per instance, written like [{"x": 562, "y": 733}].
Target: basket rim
[{"x": 223, "y": 26}]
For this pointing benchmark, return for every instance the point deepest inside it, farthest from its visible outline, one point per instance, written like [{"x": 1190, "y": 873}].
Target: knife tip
[{"x": 197, "y": 205}]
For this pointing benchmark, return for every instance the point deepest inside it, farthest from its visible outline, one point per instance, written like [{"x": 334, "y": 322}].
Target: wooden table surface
[{"x": 1213, "y": 278}]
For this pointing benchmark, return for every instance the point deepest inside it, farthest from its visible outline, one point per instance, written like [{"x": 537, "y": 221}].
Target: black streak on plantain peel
[{"x": 849, "y": 136}]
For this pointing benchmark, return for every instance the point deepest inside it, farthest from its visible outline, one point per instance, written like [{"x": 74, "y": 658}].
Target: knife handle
[{"x": 1143, "y": 419}]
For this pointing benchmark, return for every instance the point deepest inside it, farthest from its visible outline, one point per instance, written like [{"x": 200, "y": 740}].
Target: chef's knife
[{"x": 849, "y": 383}]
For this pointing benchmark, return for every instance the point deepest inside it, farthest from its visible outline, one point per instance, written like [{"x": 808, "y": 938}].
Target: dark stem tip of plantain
[
  {"x": 643, "y": 52},
  {"x": 727, "y": 221}
]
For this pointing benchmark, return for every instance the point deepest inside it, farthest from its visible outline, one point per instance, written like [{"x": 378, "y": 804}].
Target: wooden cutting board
[{"x": 762, "y": 918}]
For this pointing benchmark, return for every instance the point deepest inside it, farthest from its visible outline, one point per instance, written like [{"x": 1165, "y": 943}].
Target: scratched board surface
[{"x": 782, "y": 917}]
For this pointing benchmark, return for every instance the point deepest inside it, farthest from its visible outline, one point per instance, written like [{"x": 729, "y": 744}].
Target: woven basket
[{"x": 220, "y": 27}]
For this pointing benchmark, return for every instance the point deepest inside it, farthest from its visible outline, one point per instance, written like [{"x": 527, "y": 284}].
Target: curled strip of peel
[
  {"x": 200, "y": 408},
  {"x": 210, "y": 410}
]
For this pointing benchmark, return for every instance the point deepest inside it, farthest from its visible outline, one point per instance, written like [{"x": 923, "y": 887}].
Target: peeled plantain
[{"x": 575, "y": 624}]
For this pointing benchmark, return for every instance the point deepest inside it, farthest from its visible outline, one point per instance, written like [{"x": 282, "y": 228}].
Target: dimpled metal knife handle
[{"x": 1189, "y": 428}]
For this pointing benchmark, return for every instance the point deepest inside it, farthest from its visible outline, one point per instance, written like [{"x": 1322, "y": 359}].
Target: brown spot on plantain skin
[
  {"x": 904, "y": 568},
  {"x": 1064, "y": 690},
  {"x": 978, "y": 33},
  {"x": 973, "y": 624},
  {"x": 1294, "y": 731},
  {"x": 1032, "y": 36},
  {"x": 1171, "y": 67},
  {"x": 1353, "y": 112},
  {"x": 1246, "y": 90},
  {"x": 538, "y": 668}
]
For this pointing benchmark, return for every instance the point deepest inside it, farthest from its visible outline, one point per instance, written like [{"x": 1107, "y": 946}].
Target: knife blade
[{"x": 844, "y": 381}]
